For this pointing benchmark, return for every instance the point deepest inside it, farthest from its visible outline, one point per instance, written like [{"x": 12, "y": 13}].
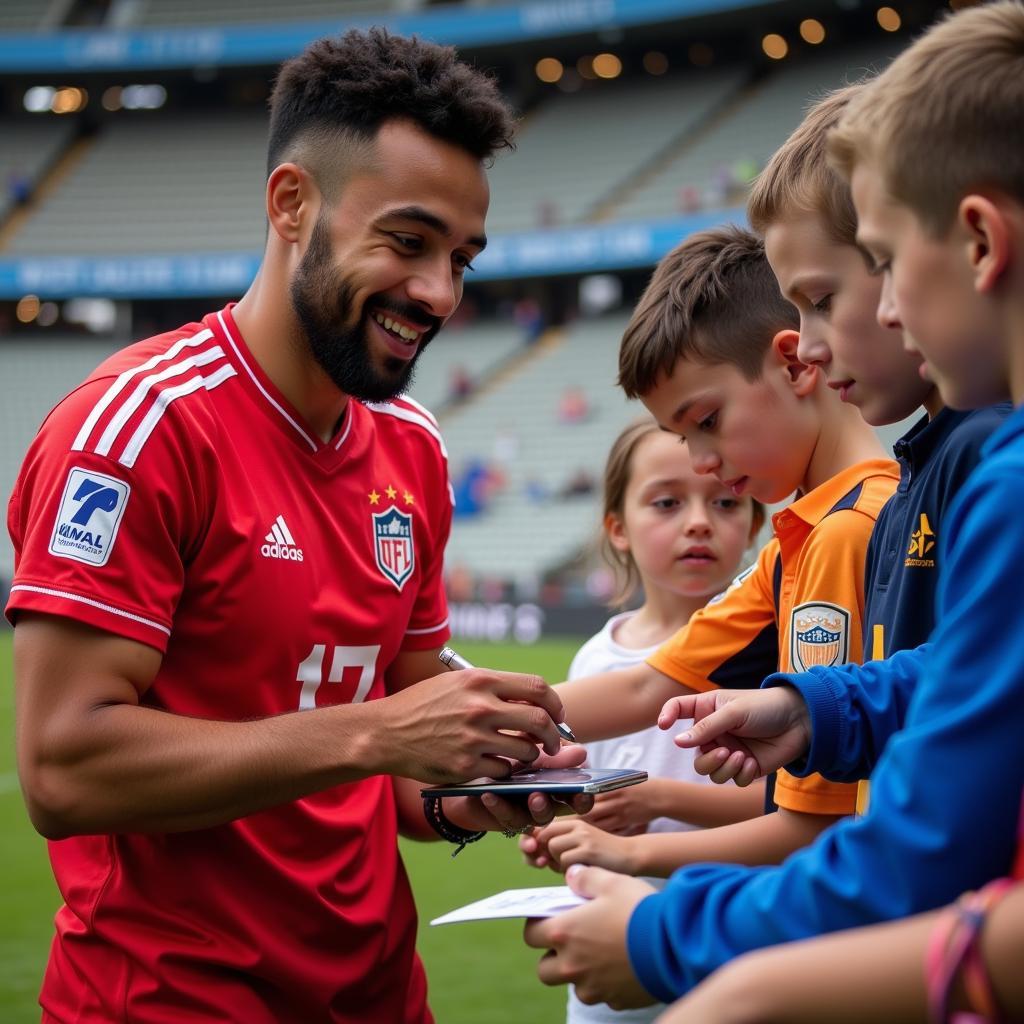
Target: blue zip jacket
[{"x": 945, "y": 792}]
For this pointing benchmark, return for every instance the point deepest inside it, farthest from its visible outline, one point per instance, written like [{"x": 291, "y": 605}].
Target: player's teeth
[
  {"x": 388, "y": 322},
  {"x": 379, "y": 319},
  {"x": 408, "y": 334}
]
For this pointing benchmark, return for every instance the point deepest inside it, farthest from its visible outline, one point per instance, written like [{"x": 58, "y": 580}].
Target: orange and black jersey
[{"x": 800, "y": 604}]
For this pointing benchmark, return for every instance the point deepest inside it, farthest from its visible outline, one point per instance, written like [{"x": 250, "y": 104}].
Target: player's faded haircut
[
  {"x": 799, "y": 179},
  {"x": 945, "y": 117},
  {"x": 713, "y": 299},
  {"x": 330, "y": 101}
]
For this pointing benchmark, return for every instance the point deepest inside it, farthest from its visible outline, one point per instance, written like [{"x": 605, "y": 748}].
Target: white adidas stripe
[
  {"x": 276, "y": 535},
  {"x": 125, "y": 378},
  {"x": 285, "y": 532},
  {"x": 143, "y": 390},
  {"x": 163, "y": 400},
  {"x": 410, "y": 417}
]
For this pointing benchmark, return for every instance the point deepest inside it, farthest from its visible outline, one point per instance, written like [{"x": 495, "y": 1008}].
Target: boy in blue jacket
[{"x": 947, "y": 235}]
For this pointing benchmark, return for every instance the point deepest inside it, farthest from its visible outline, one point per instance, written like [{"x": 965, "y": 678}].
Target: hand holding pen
[{"x": 450, "y": 657}]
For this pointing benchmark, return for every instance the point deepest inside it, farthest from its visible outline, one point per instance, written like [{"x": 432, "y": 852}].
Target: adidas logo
[{"x": 280, "y": 543}]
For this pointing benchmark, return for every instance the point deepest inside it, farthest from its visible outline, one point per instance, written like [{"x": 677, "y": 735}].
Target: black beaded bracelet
[{"x": 446, "y": 829}]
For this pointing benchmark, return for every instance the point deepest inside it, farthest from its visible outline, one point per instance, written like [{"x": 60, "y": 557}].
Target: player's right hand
[
  {"x": 470, "y": 724},
  {"x": 742, "y": 735}
]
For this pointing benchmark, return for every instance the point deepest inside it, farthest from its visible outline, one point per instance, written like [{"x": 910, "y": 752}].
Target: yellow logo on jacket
[{"x": 922, "y": 541}]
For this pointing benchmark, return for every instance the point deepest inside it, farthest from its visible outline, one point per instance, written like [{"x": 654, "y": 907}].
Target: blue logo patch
[
  {"x": 393, "y": 545},
  {"x": 90, "y": 512}
]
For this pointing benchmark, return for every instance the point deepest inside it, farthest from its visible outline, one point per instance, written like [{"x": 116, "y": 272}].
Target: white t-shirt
[{"x": 652, "y": 750}]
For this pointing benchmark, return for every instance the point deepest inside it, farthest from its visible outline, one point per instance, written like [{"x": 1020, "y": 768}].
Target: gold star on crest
[
  {"x": 374, "y": 498},
  {"x": 408, "y": 498},
  {"x": 390, "y": 492}
]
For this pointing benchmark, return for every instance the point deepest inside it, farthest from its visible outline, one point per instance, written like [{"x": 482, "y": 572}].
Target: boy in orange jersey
[{"x": 712, "y": 352}]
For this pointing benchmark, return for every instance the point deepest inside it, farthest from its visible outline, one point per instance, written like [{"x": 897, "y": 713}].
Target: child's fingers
[
  {"x": 731, "y": 768},
  {"x": 714, "y": 726},
  {"x": 711, "y": 760},
  {"x": 674, "y": 709}
]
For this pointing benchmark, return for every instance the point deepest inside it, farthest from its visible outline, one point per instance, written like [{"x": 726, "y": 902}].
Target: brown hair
[
  {"x": 799, "y": 179},
  {"x": 945, "y": 116},
  {"x": 618, "y": 471},
  {"x": 713, "y": 298}
]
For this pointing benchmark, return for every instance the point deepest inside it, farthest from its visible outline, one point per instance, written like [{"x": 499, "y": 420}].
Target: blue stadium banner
[
  {"x": 247, "y": 44},
  {"x": 588, "y": 248}
]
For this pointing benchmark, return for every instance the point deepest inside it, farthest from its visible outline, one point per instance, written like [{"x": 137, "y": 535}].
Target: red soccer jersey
[{"x": 176, "y": 498}]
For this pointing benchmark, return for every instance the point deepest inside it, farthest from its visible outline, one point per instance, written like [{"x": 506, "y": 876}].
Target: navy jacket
[{"x": 901, "y": 573}]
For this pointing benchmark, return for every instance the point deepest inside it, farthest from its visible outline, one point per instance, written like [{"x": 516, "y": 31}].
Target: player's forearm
[
  {"x": 767, "y": 839},
  {"x": 127, "y": 768},
  {"x": 616, "y": 703},
  {"x": 706, "y": 805}
]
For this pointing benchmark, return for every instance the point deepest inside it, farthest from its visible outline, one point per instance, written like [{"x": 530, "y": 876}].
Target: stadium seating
[
  {"x": 514, "y": 427},
  {"x": 612, "y": 131},
  {"x": 22, "y": 15},
  {"x": 226, "y": 12},
  {"x": 159, "y": 183},
  {"x": 28, "y": 148},
  {"x": 475, "y": 351},
  {"x": 752, "y": 128}
]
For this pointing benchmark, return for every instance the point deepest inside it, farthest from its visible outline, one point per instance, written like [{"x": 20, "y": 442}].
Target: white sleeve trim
[
  {"x": 429, "y": 629},
  {"x": 68, "y": 596}
]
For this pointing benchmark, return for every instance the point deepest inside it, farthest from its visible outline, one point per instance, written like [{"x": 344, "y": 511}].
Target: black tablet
[{"x": 545, "y": 780}]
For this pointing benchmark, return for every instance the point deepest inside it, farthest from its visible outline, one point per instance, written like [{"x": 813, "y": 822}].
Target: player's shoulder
[
  {"x": 403, "y": 420},
  {"x": 116, "y": 411}
]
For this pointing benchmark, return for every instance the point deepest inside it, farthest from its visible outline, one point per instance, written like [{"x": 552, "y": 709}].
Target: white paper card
[{"x": 542, "y": 901}]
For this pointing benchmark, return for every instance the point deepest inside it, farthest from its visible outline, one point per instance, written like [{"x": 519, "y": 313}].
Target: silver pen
[{"x": 453, "y": 659}]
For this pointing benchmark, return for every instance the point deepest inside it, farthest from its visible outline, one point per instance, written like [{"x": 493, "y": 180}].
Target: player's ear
[
  {"x": 783, "y": 353},
  {"x": 292, "y": 198},
  {"x": 989, "y": 239},
  {"x": 615, "y": 528}
]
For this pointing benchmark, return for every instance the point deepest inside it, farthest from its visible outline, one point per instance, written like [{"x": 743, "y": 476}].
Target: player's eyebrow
[{"x": 431, "y": 220}]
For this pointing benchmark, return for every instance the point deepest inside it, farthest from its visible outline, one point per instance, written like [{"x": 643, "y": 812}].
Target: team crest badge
[
  {"x": 393, "y": 545},
  {"x": 819, "y": 635}
]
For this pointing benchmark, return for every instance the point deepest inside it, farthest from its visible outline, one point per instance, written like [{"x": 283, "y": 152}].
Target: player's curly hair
[{"x": 344, "y": 88}]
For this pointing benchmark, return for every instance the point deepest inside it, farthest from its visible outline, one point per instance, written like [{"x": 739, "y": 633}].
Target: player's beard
[{"x": 343, "y": 352}]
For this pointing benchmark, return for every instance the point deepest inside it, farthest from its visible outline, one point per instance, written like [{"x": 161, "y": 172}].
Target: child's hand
[
  {"x": 573, "y": 841},
  {"x": 626, "y": 812},
  {"x": 742, "y": 734}
]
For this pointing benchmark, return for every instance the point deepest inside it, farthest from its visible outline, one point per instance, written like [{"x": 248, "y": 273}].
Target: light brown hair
[
  {"x": 945, "y": 117},
  {"x": 713, "y": 299},
  {"x": 618, "y": 471},
  {"x": 798, "y": 177}
]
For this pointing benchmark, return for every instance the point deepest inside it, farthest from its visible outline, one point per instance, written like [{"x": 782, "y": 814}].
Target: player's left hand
[
  {"x": 493, "y": 814},
  {"x": 587, "y": 945}
]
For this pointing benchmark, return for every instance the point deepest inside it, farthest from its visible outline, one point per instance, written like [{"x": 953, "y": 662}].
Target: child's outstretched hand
[
  {"x": 626, "y": 812},
  {"x": 742, "y": 734},
  {"x": 572, "y": 841}
]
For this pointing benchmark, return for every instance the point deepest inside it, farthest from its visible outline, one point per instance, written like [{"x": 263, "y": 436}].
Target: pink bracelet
[{"x": 954, "y": 949}]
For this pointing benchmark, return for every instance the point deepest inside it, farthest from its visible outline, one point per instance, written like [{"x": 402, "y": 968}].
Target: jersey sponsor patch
[
  {"x": 279, "y": 543},
  {"x": 819, "y": 635},
  {"x": 90, "y": 513},
  {"x": 393, "y": 545}
]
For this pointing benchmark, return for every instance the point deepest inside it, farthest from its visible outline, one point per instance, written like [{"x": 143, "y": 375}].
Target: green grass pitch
[{"x": 478, "y": 973}]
